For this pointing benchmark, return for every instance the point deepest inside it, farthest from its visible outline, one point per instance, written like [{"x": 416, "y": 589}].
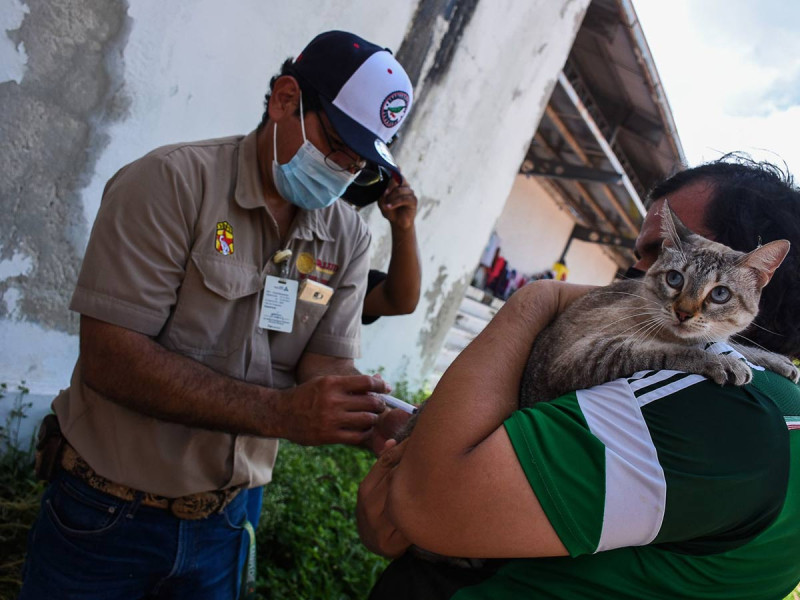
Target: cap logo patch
[
  {"x": 394, "y": 108},
  {"x": 224, "y": 238}
]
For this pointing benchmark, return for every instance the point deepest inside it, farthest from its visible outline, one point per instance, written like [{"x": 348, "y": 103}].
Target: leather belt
[{"x": 191, "y": 507}]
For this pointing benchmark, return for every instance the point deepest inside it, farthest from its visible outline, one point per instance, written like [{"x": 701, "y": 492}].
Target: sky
[{"x": 731, "y": 72}]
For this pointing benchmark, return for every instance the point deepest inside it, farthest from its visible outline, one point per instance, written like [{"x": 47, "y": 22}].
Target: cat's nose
[{"x": 683, "y": 316}]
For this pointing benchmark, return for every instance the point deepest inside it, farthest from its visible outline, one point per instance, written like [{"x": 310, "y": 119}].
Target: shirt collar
[{"x": 249, "y": 194}]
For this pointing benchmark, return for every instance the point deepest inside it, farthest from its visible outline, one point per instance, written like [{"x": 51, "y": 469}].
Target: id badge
[{"x": 278, "y": 304}]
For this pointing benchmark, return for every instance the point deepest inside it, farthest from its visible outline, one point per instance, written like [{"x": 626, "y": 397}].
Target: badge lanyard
[
  {"x": 280, "y": 296},
  {"x": 248, "y": 591}
]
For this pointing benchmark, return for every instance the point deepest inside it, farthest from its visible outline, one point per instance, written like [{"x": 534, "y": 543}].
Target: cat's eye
[
  {"x": 674, "y": 279},
  {"x": 720, "y": 294}
]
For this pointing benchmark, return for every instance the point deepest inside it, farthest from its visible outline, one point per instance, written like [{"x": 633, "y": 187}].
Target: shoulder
[
  {"x": 189, "y": 153},
  {"x": 344, "y": 222},
  {"x": 185, "y": 153},
  {"x": 184, "y": 162}
]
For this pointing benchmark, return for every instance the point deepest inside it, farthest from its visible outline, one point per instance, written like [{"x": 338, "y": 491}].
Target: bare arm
[
  {"x": 459, "y": 461},
  {"x": 134, "y": 371},
  {"x": 398, "y": 294}
]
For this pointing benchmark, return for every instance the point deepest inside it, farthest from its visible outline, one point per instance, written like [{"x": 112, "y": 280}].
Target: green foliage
[
  {"x": 308, "y": 546},
  {"x": 19, "y": 491},
  {"x": 403, "y": 390}
]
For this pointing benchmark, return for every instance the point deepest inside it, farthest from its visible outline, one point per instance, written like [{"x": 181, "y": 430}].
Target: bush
[
  {"x": 19, "y": 493},
  {"x": 308, "y": 546}
]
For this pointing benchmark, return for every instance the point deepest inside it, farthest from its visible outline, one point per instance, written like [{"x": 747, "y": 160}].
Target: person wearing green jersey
[{"x": 658, "y": 485}]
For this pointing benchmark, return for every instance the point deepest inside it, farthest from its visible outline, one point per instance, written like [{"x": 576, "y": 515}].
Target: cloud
[
  {"x": 765, "y": 32},
  {"x": 782, "y": 94},
  {"x": 761, "y": 42}
]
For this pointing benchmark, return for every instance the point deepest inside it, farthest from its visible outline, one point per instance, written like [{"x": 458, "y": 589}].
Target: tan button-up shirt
[{"x": 180, "y": 250}]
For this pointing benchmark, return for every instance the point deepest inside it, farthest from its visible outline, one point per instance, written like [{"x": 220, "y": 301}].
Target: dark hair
[
  {"x": 310, "y": 98},
  {"x": 754, "y": 203}
]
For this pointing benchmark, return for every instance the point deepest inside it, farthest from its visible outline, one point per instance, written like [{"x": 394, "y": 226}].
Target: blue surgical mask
[{"x": 306, "y": 180}]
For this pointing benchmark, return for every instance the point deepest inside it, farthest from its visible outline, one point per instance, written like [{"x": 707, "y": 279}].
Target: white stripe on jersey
[
  {"x": 653, "y": 379},
  {"x": 670, "y": 388},
  {"x": 636, "y": 489}
]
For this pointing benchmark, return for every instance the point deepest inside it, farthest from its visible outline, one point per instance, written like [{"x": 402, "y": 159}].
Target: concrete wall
[
  {"x": 464, "y": 147},
  {"x": 534, "y": 229},
  {"x": 89, "y": 85}
]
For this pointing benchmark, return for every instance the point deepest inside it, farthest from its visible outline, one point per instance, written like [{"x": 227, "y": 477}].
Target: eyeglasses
[{"x": 340, "y": 158}]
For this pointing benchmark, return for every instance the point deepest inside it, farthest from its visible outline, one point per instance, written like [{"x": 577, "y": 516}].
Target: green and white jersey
[{"x": 661, "y": 485}]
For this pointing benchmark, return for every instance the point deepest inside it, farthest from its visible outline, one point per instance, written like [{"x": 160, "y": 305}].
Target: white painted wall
[
  {"x": 534, "y": 229},
  {"x": 465, "y": 151}
]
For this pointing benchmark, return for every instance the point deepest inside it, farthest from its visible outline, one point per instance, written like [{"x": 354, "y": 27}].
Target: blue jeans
[
  {"x": 88, "y": 544},
  {"x": 255, "y": 497}
]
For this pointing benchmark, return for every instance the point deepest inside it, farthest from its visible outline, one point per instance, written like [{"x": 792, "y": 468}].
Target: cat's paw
[
  {"x": 728, "y": 370},
  {"x": 783, "y": 366}
]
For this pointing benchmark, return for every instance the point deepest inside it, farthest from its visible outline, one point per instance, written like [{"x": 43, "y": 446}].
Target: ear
[
  {"x": 765, "y": 259},
  {"x": 672, "y": 228},
  {"x": 284, "y": 98}
]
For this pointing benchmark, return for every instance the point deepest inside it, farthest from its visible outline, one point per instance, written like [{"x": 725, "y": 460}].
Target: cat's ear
[
  {"x": 765, "y": 259},
  {"x": 673, "y": 230}
]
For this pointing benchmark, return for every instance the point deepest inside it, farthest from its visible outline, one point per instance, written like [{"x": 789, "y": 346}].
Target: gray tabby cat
[{"x": 697, "y": 292}]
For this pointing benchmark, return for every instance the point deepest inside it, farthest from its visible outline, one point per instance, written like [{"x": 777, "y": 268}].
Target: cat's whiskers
[
  {"x": 754, "y": 324},
  {"x": 654, "y": 333},
  {"x": 641, "y": 324},
  {"x": 739, "y": 335},
  {"x": 641, "y": 333},
  {"x": 650, "y": 300},
  {"x": 633, "y": 316},
  {"x": 645, "y": 329}
]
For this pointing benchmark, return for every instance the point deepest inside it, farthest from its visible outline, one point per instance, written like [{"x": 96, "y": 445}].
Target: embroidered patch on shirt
[
  {"x": 328, "y": 268},
  {"x": 224, "y": 239},
  {"x": 305, "y": 263}
]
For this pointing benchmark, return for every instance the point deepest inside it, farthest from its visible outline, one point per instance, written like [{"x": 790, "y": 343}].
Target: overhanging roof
[{"x": 607, "y": 134}]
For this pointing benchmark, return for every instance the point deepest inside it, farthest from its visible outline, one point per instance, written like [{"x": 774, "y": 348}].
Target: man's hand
[
  {"x": 399, "y": 205},
  {"x": 377, "y": 532},
  {"x": 333, "y": 410},
  {"x": 390, "y": 423}
]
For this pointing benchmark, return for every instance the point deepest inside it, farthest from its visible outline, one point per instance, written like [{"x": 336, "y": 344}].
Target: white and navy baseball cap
[{"x": 364, "y": 91}]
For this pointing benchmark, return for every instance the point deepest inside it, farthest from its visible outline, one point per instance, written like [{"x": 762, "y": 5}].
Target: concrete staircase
[{"x": 476, "y": 310}]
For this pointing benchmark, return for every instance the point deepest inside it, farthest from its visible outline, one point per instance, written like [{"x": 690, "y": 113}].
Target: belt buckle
[{"x": 196, "y": 506}]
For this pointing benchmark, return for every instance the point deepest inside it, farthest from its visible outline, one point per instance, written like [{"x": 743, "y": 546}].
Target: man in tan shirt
[{"x": 220, "y": 300}]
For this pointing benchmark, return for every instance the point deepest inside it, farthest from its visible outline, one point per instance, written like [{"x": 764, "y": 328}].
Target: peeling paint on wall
[
  {"x": 431, "y": 42},
  {"x": 13, "y": 57},
  {"x": 51, "y": 132},
  {"x": 443, "y": 303}
]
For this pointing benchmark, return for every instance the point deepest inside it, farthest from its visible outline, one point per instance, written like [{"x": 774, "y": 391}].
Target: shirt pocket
[
  {"x": 215, "y": 313},
  {"x": 286, "y": 348}
]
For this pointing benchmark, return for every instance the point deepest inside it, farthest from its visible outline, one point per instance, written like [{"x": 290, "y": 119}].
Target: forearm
[
  {"x": 480, "y": 389},
  {"x": 398, "y": 294},
  {"x": 136, "y": 372},
  {"x": 402, "y": 283},
  {"x": 459, "y": 462},
  {"x": 313, "y": 365}
]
